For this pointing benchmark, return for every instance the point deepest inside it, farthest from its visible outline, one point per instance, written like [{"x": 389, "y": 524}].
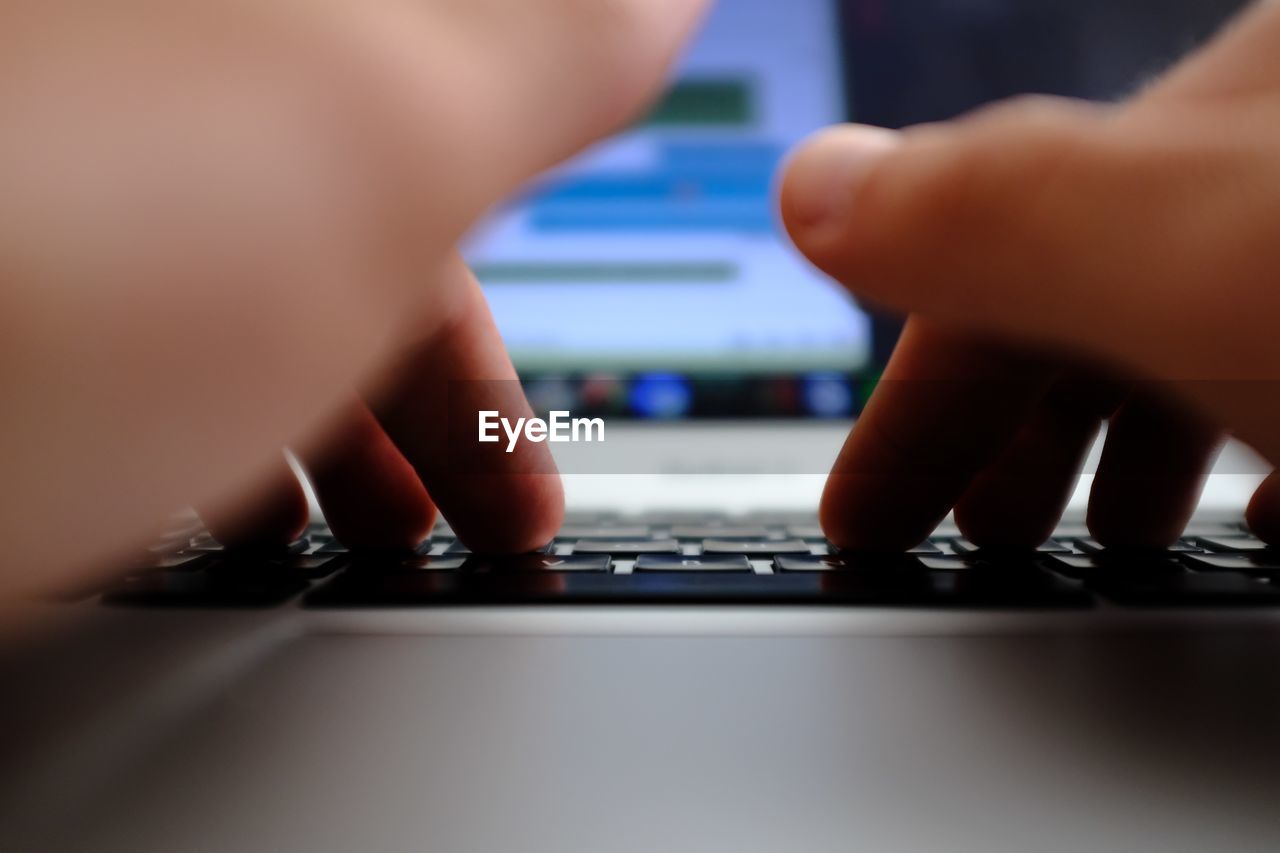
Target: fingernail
[{"x": 827, "y": 170}]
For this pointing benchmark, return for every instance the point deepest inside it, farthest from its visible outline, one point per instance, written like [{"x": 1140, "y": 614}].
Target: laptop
[{"x": 688, "y": 665}]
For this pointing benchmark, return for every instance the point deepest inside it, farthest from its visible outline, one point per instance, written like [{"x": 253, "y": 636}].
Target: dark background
[{"x": 922, "y": 60}]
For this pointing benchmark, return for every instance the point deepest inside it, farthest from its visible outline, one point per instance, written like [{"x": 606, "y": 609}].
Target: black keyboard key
[
  {"x": 925, "y": 548},
  {"x": 1077, "y": 566},
  {"x": 754, "y": 549},
  {"x": 204, "y": 542},
  {"x": 1141, "y": 564},
  {"x": 540, "y": 563},
  {"x": 1052, "y": 546},
  {"x": 185, "y": 561},
  {"x": 830, "y": 563},
  {"x": 1232, "y": 544},
  {"x": 961, "y": 545},
  {"x": 297, "y": 546},
  {"x": 673, "y": 563},
  {"x": 390, "y": 564},
  {"x": 1264, "y": 564},
  {"x": 948, "y": 563},
  {"x": 458, "y": 548},
  {"x": 809, "y": 563},
  {"x": 844, "y": 561},
  {"x": 375, "y": 553},
  {"x": 702, "y": 531},
  {"x": 309, "y": 566},
  {"x": 627, "y": 548},
  {"x": 803, "y": 532},
  {"x": 1090, "y": 545},
  {"x": 966, "y": 582},
  {"x": 1148, "y": 579}
]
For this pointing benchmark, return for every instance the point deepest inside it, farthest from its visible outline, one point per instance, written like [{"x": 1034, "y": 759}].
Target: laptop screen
[
  {"x": 659, "y": 251},
  {"x": 649, "y": 277}
]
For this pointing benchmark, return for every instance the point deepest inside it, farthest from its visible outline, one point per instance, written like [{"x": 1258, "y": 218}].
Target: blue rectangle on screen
[
  {"x": 659, "y": 216},
  {"x": 696, "y": 186}
]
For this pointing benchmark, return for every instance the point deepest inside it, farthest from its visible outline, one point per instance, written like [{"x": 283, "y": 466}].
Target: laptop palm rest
[{"x": 565, "y": 744}]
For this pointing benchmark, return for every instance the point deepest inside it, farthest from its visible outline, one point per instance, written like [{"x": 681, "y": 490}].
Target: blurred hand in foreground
[
  {"x": 224, "y": 227},
  {"x": 1062, "y": 265}
]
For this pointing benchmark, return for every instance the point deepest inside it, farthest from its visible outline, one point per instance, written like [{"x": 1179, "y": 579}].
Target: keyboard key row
[
  {"x": 890, "y": 580},
  {"x": 682, "y": 559}
]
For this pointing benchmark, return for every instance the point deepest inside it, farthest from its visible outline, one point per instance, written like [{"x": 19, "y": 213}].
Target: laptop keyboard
[{"x": 705, "y": 559}]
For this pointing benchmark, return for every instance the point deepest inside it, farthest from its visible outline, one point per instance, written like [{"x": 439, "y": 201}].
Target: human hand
[
  {"x": 224, "y": 227},
  {"x": 1062, "y": 264}
]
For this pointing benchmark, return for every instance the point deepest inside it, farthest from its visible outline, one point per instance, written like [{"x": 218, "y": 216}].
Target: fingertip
[
  {"x": 822, "y": 178},
  {"x": 371, "y": 496},
  {"x": 1020, "y": 530},
  {"x": 1115, "y": 527},
  {"x": 536, "y": 503},
  {"x": 276, "y": 515},
  {"x": 1263, "y": 514},
  {"x": 866, "y": 513},
  {"x": 399, "y": 524},
  {"x": 1139, "y": 512},
  {"x": 1156, "y": 460}
]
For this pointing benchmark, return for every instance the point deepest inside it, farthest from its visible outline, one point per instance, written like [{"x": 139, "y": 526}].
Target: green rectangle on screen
[{"x": 705, "y": 102}]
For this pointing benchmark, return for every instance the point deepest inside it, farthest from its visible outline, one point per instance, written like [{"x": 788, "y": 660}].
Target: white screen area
[{"x": 660, "y": 248}]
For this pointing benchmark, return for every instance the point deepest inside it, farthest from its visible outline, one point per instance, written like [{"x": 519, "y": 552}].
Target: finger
[
  {"x": 274, "y": 512},
  {"x": 948, "y": 404},
  {"x": 1017, "y": 220},
  {"x": 369, "y": 493},
  {"x": 1153, "y": 468},
  {"x": 495, "y": 501},
  {"x": 1264, "y": 510},
  {"x": 1019, "y": 499}
]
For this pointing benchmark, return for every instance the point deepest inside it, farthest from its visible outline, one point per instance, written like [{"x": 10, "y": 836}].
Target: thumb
[{"x": 1039, "y": 220}]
